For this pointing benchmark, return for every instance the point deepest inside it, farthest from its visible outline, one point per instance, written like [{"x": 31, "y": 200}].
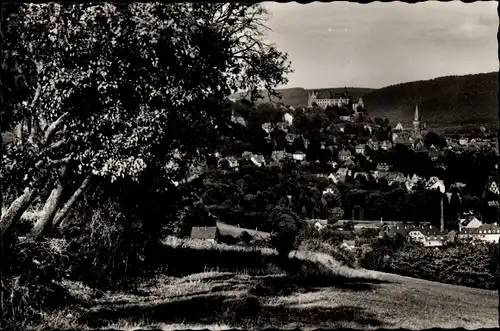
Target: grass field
[{"x": 222, "y": 300}]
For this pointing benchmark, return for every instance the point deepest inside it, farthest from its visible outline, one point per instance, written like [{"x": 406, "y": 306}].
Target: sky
[{"x": 374, "y": 45}]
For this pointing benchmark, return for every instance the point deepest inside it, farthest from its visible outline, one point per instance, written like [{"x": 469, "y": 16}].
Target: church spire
[{"x": 416, "y": 117}]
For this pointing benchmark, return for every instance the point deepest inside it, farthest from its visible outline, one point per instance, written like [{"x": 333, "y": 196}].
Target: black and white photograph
[{"x": 249, "y": 165}]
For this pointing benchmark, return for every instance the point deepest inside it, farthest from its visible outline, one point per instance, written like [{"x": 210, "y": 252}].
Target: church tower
[{"x": 416, "y": 124}]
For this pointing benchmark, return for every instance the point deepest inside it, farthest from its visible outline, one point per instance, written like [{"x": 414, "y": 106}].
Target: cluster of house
[
  {"x": 474, "y": 144},
  {"x": 471, "y": 228}
]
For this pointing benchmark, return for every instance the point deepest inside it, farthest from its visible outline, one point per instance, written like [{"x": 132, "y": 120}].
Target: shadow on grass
[{"x": 238, "y": 312}]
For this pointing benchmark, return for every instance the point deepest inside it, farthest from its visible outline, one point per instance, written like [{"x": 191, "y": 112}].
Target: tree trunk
[
  {"x": 61, "y": 215},
  {"x": 50, "y": 207},
  {"x": 17, "y": 208}
]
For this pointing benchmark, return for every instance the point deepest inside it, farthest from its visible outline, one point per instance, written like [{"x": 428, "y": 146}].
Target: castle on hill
[{"x": 325, "y": 98}]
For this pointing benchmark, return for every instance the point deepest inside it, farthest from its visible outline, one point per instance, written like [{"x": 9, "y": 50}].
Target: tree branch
[{"x": 53, "y": 126}]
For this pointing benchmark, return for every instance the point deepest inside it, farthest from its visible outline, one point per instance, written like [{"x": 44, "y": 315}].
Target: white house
[
  {"x": 463, "y": 141},
  {"x": 435, "y": 183},
  {"x": 470, "y": 222},
  {"x": 328, "y": 191},
  {"x": 485, "y": 232},
  {"x": 288, "y": 118},
  {"x": 299, "y": 156}
]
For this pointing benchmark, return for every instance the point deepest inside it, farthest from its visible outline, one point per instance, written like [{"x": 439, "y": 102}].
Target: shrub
[
  {"x": 286, "y": 226},
  {"x": 30, "y": 275},
  {"x": 461, "y": 264},
  {"x": 107, "y": 247}
]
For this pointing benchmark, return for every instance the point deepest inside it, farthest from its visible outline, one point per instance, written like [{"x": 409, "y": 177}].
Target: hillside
[
  {"x": 445, "y": 101},
  {"x": 298, "y": 96},
  {"x": 357, "y": 299}
]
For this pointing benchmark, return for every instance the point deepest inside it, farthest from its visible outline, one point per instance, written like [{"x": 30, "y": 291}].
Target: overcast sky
[{"x": 379, "y": 44}]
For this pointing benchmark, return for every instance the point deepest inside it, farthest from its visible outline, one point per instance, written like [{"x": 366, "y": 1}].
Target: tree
[
  {"x": 286, "y": 226},
  {"x": 336, "y": 214},
  {"x": 114, "y": 89},
  {"x": 433, "y": 138}
]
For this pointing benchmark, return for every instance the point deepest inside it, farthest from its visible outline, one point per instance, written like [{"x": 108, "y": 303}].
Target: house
[
  {"x": 344, "y": 155},
  {"x": 433, "y": 153},
  {"x": 493, "y": 187},
  {"x": 386, "y": 145},
  {"x": 299, "y": 156},
  {"x": 342, "y": 173},
  {"x": 395, "y": 177},
  {"x": 333, "y": 178},
  {"x": 258, "y": 160},
  {"x": 470, "y": 222},
  {"x": 279, "y": 155},
  {"x": 430, "y": 237},
  {"x": 419, "y": 145},
  {"x": 208, "y": 233},
  {"x": 267, "y": 127},
  {"x": 373, "y": 145},
  {"x": 362, "y": 174},
  {"x": 345, "y": 118},
  {"x": 463, "y": 141},
  {"x": 329, "y": 190},
  {"x": 320, "y": 224},
  {"x": 485, "y": 232},
  {"x": 349, "y": 163},
  {"x": 393, "y": 230},
  {"x": 348, "y": 244},
  {"x": 288, "y": 118},
  {"x": 435, "y": 183},
  {"x": 360, "y": 149},
  {"x": 231, "y": 160},
  {"x": 399, "y": 127},
  {"x": 369, "y": 128},
  {"x": 290, "y": 138},
  {"x": 383, "y": 167}
]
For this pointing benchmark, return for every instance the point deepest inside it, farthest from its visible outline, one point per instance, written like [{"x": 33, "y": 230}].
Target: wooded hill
[
  {"x": 442, "y": 102},
  {"x": 445, "y": 102}
]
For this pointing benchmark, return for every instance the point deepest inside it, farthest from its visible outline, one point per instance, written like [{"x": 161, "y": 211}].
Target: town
[
  {"x": 173, "y": 166},
  {"x": 355, "y": 150}
]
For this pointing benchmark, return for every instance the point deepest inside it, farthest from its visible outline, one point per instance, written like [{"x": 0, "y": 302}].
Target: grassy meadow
[{"x": 314, "y": 292}]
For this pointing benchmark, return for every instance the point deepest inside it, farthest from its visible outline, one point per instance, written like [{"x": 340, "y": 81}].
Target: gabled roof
[{"x": 203, "y": 232}]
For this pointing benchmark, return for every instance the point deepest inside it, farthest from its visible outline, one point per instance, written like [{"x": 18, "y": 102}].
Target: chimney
[{"x": 442, "y": 214}]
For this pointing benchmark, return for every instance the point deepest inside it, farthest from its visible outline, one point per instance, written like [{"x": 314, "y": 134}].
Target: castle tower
[{"x": 416, "y": 124}]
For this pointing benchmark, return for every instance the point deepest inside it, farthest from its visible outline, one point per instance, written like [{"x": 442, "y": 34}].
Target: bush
[
  {"x": 461, "y": 264},
  {"x": 31, "y": 271},
  {"x": 286, "y": 226},
  {"x": 107, "y": 247}
]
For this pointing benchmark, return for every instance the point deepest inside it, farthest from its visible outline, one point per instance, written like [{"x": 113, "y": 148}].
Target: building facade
[{"x": 325, "y": 98}]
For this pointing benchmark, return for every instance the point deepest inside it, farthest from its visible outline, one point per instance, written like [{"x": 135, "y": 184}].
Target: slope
[{"x": 442, "y": 102}]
